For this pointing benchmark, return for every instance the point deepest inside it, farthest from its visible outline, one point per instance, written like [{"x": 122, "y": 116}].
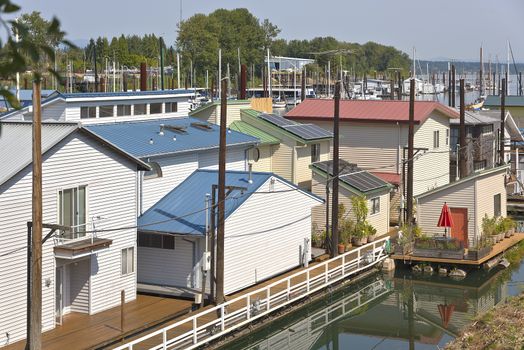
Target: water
[{"x": 397, "y": 311}]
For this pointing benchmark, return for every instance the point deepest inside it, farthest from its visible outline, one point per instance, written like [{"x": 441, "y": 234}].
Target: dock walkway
[{"x": 498, "y": 248}]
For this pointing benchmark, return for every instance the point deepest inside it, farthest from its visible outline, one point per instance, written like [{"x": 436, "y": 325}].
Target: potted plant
[
  {"x": 508, "y": 226},
  {"x": 359, "y": 235},
  {"x": 372, "y": 233},
  {"x": 489, "y": 228}
]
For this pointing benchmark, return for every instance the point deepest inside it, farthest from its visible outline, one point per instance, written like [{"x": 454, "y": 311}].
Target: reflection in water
[{"x": 399, "y": 311}]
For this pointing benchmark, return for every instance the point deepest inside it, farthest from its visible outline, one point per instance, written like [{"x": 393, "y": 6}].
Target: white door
[{"x": 59, "y": 295}]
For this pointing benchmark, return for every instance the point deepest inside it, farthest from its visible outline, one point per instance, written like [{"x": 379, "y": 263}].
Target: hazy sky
[{"x": 438, "y": 29}]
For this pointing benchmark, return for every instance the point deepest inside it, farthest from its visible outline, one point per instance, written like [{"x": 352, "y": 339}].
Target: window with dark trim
[
  {"x": 140, "y": 109},
  {"x": 155, "y": 108},
  {"x": 88, "y": 112},
  {"x": 436, "y": 139},
  {"x": 375, "y": 205},
  {"x": 107, "y": 111},
  {"x": 128, "y": 260},
  {"x": 153, "y": 240},
  {"x": 171, "y": 107},
  {"x": 122, "y": 110}
]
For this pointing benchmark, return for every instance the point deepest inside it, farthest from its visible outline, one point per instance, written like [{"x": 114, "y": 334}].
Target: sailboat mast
[
  {"x": 414, "y": 74},
  {"x": 481, "y": 77}
]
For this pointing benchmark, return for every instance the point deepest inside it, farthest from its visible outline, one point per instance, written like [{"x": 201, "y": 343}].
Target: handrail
[{"x": 249, "y": 310}]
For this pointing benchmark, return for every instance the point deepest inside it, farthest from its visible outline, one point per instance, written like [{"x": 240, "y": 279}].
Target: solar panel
[
  {"x": 308, "y": 131},
  {"x": 363, "y": 181},
  {"x": 276, "y": 120}
]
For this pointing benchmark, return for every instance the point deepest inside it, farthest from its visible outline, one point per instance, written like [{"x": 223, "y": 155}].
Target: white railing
[{"x": 214, "y": 322}]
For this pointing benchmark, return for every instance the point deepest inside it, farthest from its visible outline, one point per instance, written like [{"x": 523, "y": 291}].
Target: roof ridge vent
[
  {"x": 202, "y": 126},
  {"x": 175, "y": 128}
]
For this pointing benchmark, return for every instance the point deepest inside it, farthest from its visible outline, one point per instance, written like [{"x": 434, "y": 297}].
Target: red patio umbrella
[
  {"x": 445, "y": 312},
  {"x": 445, "y": 220}
]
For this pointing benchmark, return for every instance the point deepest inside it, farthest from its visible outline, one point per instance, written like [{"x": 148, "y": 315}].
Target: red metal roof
[
  {"x": 368, "y": 111},
  {"x": 392, "y": 178}
]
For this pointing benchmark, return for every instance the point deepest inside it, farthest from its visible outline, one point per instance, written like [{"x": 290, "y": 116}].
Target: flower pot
[
  {"x": 371, "y": 238},
  {"x": 359, "y": 241},
  {"x": 507, "y": 234},
  {"x": 348, "y": 247},
  {"x": 501, "y": 236},
  {"x": 341, "y": 248}
]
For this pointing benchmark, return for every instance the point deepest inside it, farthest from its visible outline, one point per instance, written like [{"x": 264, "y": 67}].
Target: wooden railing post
[
  {"x": 195, "y": 333},
  {"x": 222, "y": 318},
  {"x": 307, "y": 281},
  {"x": 248, "y": 306},
  {"x": 164, "y": 339},
  {"x": 122, "y": 302}
]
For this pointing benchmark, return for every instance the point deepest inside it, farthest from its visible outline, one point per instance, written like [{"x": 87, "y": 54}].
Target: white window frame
[
  {"x": 89, "y": 108},
  {"x": 86, "y": 206},
  {"x": 436, "y": 139},
  {"x": 372, "y": 205},
  {"x": 315, "y": 148},
  {"x": 171, "y": 105},
  {"x": 127, "y": 269}
]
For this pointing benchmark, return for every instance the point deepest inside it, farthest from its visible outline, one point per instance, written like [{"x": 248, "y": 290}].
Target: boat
[
  {"x": 277, "y": 103},
  {"x": 475, "y": 106}
]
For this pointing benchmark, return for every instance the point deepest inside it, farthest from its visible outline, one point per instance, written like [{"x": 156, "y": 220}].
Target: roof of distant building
[
  {"x": 353, "y": 176},
  {"x": 16, "y": 144},
  {"x": 368, "y": 110},
  {"x": 145, "y": 139},
  {"x": 510, "y": 101},
  {"x": 180, "y": 211},
  {"x": 245, "y": 128},
  {"x": 217, "y": 103}
]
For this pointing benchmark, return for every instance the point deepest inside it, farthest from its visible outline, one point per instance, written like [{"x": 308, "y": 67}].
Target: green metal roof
[
  {"x": 510, "y": 101},
  {"x": 217, "y": 103},
  {"x": 245, "y": 128}
]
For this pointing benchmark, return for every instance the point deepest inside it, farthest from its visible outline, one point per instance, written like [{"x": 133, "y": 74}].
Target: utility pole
[
  {"x": 481, "y": 87},
  {"x": 449, "y": 87},
  {"x": 463, "y": 152},
  {"x": 502, "y": 120},
  {"x": 178, "y": 70},
  {"x": 453, "y": 85},
  {"x": 334, "y": 205},
  {"x": 221, "y": 195},
  {"x": 161, "y": 63},
  {"x": 411, "y": 137},
  {"x": 34, "y": 331},
  {"x": 96, "y": 73}
]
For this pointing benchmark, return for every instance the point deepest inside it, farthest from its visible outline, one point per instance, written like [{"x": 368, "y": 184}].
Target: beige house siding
[
  {"x": 458, "y": 196},
  {"x": 212, "y": 114},
  {"x": 486, "y": 188},
  {"x": 264, "y": 162},
  {"x": 379, "y": 221},
  {"x": 431, "y": 170},
  {"x": 282, "y": 161}
]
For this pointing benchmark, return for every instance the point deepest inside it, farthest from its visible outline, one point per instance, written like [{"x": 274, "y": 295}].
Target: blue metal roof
[
  {"x": 124, "y": 94},
  {"x": 510, "y": 101},
  {"x": 180, "y": 211},
  {"x": 143, "y": 139}
]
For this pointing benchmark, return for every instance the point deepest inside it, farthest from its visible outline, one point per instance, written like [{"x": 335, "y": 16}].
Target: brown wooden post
[
  {"x": 122, "y": 302},
  {"x": 453, "y": 85},
  {"x": 143, "y": 76},
  {"x": 303, "y": 86},
  {"x": 221, "y": 196},
  {"x": 243, "y": 81},
  {"x": 334, "y": 205},
  {"x": 411, "y": 138},
  {"x": 502, "y": 120},
  {"x": 462, "y": 153},
  {"x": 34, "y": 335}
]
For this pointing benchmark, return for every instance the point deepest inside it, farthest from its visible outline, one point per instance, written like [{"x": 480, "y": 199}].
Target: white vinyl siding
[
  {"x": 264, "y": 162},
  {"x": 256, "y": 252},
  {"x": 236, "y": 159},
  {"x": 111, "y": 180},
  {"x": 486, "y": 188},
  {"x": 166, "y": 266}
]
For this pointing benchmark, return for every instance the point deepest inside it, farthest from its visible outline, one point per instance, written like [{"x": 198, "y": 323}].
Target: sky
[{"x": 440, "y": 30}]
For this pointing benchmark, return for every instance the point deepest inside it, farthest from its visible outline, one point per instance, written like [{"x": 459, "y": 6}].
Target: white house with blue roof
[
  {"x": 267, "y": 231},
  {"x": 174, "y": 148},
  {"x": 107, "y": 107},
  {"x": 88, "y": 186}
]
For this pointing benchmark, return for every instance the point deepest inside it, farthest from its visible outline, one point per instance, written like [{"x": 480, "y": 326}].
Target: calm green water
[{"x": 396, "y": 311}]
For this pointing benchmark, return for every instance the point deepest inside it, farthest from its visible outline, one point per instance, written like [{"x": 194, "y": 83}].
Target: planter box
[
  {"x": 439, "y": 253},
  {"x": 478, "y": 254},
  {"x": 359, "y": 241},
  {"x": 403, "y": 249}
]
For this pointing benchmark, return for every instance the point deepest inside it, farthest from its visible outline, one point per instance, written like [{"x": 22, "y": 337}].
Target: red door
[{"x": 460, "y": 225}]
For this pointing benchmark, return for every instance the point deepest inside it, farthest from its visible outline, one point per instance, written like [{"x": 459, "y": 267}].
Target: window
[
  {"x": 72, "y": 210},
  {"x": 454, "y": 139},
  {"x": 436, "y": 137},
  {"x": 155, "y": 108},
  {"x": 479, "y": 165},
  {"x": 156, "y": 171},
  {"x": 315, "y": 152},
  {"x": 128, "y": 260},
  {"x": 88, "y": 112},
  {"x": 487, "y": 129},
  {"x": 152, "y": 240},
  {"x": 496, "y": 204},
  {"x": 375, "y": 205},
  {"x": 107, "y": 111},
  {"x": 122, "y": 110},
  {"x": 171, "y": 107},
  {"x": 447, "y": 137},
  {"x": 140, "y": 109}
]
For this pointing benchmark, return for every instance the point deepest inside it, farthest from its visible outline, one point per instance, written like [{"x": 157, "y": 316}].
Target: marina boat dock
[{"x": 498, "y": 249}]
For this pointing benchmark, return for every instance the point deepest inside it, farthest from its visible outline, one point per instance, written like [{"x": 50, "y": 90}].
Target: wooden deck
[
  {"x": 81, "y": 331},
  {"x": 498, "y": 248}
]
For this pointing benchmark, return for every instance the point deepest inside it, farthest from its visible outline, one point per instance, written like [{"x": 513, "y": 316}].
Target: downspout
[
  {"x": 398, "y": 149},
  {"x": 141, "y": 199}
]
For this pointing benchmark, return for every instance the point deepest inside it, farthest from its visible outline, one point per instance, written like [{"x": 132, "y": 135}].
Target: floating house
[
  {"x": 174, "y": 148},
  {"x": 263, "y": 238},
  {"x": 88, "y": 186},
  {"x": 513, "y": 104},
  {"x": 353, "y": 181},
  {"x": 374, "y": 135},
  {"x": 108, "y": 107},
  {"x": 469, "y": 199}
]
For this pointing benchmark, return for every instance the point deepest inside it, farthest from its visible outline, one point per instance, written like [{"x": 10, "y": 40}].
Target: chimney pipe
[{"x": 143, "y": 76}]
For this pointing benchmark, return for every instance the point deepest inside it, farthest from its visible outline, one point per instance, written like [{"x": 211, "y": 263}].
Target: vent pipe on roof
[
  {"x": 250, "y": 178},
  {"x": 151, "y": 141},
  {"x": 161, "y": 132},
  {"x": 143, "y": 76}
]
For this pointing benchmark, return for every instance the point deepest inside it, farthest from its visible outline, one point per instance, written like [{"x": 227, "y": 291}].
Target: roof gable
[{"x": 368, "y": 110}]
